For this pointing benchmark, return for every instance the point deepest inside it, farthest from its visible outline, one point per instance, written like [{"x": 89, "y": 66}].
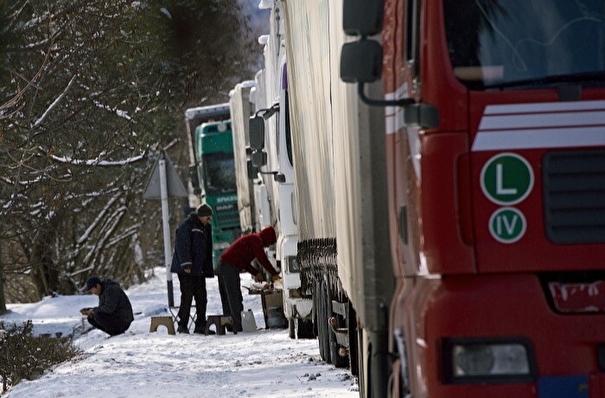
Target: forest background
[{"x": 90, "y": 93}]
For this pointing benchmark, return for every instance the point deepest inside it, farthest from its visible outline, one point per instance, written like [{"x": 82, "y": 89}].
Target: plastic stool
[
  {"x": 219, "y": 321},
  {"x": 162, "y": 320}
]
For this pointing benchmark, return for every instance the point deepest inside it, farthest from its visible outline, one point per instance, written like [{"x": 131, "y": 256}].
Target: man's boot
[
  {"x": 201, "y": 329},
  {"x": 182, "y": 329}
]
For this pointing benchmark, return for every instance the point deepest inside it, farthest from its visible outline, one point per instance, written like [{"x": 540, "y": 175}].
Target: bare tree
[{"x": 90, "y": 92}]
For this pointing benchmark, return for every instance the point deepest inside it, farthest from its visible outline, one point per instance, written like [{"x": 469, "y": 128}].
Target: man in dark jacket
[
  {"x": 192, "y": 262},
  {"x": 238, "y": 258},
  {"x": 114, "y": 313}
]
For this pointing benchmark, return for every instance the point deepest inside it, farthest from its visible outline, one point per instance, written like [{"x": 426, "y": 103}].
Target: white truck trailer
[
  {"x": 268, "y": 154},
  {"x": 340, "y": 185}
]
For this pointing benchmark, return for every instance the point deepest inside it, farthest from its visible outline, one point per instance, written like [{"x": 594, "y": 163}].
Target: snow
[{"x": 263, "y": 363}]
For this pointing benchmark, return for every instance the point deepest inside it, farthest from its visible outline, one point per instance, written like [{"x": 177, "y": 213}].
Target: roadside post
[{"x": 164, "y": 182}]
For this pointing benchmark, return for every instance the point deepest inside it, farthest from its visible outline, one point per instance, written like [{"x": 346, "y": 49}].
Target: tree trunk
[
  {"x": 3, "y": 309},
  {"x": 45, "y": 273}
]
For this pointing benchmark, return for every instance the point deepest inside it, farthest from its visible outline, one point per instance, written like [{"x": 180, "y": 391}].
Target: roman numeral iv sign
[{"x": 507, "y": 179}]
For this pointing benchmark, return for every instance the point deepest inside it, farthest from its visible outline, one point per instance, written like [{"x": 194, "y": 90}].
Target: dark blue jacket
[
  {"x": 193, "y": 248},
  {"x": 114, "y": 301}
]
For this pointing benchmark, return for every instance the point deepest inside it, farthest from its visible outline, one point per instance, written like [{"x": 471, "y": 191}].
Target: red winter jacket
[{"x": 248, "y": 247}]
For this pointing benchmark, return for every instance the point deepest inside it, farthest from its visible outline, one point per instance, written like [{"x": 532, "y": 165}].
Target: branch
[
  {"x": 55, "y": 102},
  {"x": 120, "y": 113},
  {"x": 95, "y": 162},
  {"x": 18, "y": 96}
]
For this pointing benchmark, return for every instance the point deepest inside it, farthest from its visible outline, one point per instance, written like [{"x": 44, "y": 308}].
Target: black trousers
[
  {"x": 108, "y": 323},
  {"x": 231, "y": 293},
  {"x": 193, "y": 287}
]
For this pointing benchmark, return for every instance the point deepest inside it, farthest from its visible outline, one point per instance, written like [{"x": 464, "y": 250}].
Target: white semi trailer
[
  {"x": 320, "y": 155},
  {"x": 339, "y": 186},
  {"x": 269, "y": 167}
]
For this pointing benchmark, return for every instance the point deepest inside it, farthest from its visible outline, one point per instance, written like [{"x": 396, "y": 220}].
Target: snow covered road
[{"x": 265, "y": 363}]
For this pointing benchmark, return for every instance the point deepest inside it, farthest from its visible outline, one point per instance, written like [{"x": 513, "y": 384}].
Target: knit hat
[
  {"x": 204, "y": 210},
  {"x": 92, "y": 282},
  {"x": 268, "y": 236}
]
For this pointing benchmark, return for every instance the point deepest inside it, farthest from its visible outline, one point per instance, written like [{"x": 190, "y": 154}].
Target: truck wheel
[
  {"x": 361, "y": 369},
  {"x": 315, "y": 308},
  {"x": 304, "y": 329},
  {"x": 337, "y": 360},
  {"x": 322, "y": 325},
  {"x": 353, "y": 340}
]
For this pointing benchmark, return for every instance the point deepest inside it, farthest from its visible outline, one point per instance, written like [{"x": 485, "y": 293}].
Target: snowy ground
[{"x": 265, "y": 363}]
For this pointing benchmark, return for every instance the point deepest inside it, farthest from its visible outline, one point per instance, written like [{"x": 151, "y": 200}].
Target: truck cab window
[
  {"x": 495, "y": 43},
  {"x": 219, "y": 173}
]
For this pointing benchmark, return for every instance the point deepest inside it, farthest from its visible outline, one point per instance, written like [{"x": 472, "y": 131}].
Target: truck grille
[
  {"x": 574, "y": 196},
  {"x": 228, "y": 217}
]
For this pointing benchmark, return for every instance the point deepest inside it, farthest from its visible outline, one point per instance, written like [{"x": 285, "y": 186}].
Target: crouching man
[{"x": 114, "y": 313}]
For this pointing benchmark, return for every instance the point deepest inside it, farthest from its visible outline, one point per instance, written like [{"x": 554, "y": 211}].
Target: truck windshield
[
  {"x": 509, "y": 43},
  {"x": 219, "y": 173}
]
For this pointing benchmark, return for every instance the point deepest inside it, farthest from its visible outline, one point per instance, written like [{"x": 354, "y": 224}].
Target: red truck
[
  {"x": 451, "y": 204},
  {"x": 495, "y": 141}
]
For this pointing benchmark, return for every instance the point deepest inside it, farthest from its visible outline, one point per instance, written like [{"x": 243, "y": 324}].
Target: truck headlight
[{"x": 479, "y": 360}]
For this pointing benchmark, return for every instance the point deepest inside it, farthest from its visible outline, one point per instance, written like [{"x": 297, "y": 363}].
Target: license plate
[{"x": 563, "y": 386}]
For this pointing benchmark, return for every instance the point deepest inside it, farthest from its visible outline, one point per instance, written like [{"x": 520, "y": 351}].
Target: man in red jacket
[{"x": 238, "y": 258}]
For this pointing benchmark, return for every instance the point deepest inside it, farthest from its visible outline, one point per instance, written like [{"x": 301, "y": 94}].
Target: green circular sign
[
  {"x": 507, "y": 179},
  {"x": 507, "y": 225}
]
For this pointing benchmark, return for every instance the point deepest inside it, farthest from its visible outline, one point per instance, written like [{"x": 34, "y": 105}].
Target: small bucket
[{"x": 276, "y": 318}]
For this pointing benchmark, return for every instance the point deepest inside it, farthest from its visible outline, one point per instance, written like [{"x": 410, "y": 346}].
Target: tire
[
  {"x": 361, "y": 379},
  {"x": 322, "y": 325},
  {"x": 337, "y": 360},
  {"x": 353, "y": 340},
  {"x": 315, "y": 308},
  {"x": 304, "y": 329}
]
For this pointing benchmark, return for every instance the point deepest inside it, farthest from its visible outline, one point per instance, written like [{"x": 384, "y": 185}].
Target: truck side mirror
[
  {"x": 361, "y": 61},
  {"x": 259, "y": 158},
  {"x": 252, "y": 170},
  {"x": 257, "y": 132},
  {"x": 195, "y": 180},
  {"x": 362, "y": 17}
]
